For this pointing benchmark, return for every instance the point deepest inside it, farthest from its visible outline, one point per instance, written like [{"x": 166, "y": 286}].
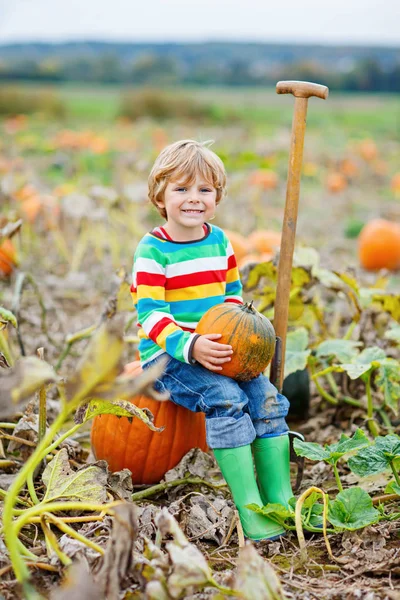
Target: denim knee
[{"x": 267, "y": 407}]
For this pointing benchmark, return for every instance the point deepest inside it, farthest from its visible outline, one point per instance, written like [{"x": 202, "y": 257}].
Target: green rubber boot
[
  {"x": 271, "y": 457},
  {"x": 236, "y": 465}
]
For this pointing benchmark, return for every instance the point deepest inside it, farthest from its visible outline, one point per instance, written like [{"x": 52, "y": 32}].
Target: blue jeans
[{"x": 236, "y": 412}]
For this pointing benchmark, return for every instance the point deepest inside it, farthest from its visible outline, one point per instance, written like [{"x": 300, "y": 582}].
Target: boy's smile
[{"x": 188, "y": 207}]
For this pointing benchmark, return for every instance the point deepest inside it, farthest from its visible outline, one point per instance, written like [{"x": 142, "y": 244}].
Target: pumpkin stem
[{"x": 250, "y": 306}]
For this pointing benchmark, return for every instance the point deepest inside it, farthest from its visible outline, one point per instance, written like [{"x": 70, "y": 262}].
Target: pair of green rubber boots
[{"x": 271, "y": 458}]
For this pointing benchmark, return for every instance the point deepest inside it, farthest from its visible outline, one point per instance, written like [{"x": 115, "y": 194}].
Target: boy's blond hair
[{"x": 182, "y": 161}]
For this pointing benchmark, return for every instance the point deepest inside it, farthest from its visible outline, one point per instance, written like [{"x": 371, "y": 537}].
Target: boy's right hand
[{"x": 209, "y": 353}]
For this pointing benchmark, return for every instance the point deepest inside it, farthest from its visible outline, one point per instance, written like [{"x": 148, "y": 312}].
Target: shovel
[{"x": 302, "y": 91}]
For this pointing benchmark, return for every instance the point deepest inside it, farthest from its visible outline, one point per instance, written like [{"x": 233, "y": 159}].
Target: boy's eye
[
  {"x": 180, "y": 189},
  {"x": 205, "y": 190}
]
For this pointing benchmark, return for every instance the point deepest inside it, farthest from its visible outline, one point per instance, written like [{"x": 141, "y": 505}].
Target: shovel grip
[{"x": 302, "y": 89}]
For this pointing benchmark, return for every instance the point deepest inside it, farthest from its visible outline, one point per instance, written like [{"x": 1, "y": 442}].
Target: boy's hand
[{"x": 211, "y": 354}]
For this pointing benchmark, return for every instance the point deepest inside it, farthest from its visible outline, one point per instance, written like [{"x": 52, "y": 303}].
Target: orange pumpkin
[
  {"x": 239, "y": 244},
  {"x": 395, "y": 184},
  {"x": 264, "y": 240},
  {"x": 8, "y": 257},
  {"x": 250, "y": 334},
  {"x": 379, "y": 245},
  {"x": 147, "y": 454},
  {"x": 255, "y": 258},
  {"x": 349, "y": 167},
  {"x": 336, "y": 182},
  {"x": 368, "y": 150},
  {"x": 264, "y": 178}
]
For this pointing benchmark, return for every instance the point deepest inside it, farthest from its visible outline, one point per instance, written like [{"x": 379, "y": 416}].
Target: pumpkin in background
[
  {"x": 349, "y": 168},
  {"x": 395, "y": 184},
  {"x": 368, "y": 150},
  {"x": 250, "y": 334},
  {"x": 147, "y": 454},
  {"x": 379, "y": 245},
  {"x": 8, "y": 257},
  {"x": 264, "y": 178},
  {"x": 254, "y": 258},
  {"x": 240, "y": 245},
  {"x": 265, "y": 241},
  {"x": 336, "y": 182}
]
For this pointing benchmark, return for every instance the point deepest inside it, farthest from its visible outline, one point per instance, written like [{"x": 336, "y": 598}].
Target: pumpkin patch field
[{"x": 107, "y": 488}]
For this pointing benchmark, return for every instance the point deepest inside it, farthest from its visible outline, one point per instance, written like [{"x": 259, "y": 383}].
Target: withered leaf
[
  {"x": 85, "y": 485},
  {"x": 78, "y": 583},
  {"x": 20, "y": 382},
  {"x": 256, "y": 578},
  {"x": 117, "y": 562},
  {"x": 120, "y": 408},
  {"x": 99, "y": 365},
  {"x": 190, "y": 567},
  {"x": 10, "y": 229}
]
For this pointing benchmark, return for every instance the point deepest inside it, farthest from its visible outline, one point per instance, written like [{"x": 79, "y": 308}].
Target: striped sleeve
[
  {"x": 154, "y": 313},
  {"x": 233, "y": 291}
]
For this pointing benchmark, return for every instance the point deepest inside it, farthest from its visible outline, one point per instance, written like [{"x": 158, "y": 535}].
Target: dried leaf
[
  {"x": 20, "y": 382},
  {"x": 118, "y": 559},
  {"x": 120, "y": 408},
  {"x": 255, "y": 577},
  {"x": 86, "y": 485},
  {"x": 99, "y": 365},
  {"x": 190, "y": 568},
  {"x": 124, "y": 298},
  {"x": 10, "y": 229},
  {"x": 78, "y": 583}
]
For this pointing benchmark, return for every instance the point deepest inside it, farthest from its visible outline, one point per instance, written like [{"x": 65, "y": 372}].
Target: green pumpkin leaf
[
  {"x": 6, "y": 317},
  {"x": 346, "y": 444},
  {"x": 310, "y": 450},
  {"x": 344, "y": 350},
  {"x": 85, "y": 485},
  {"x": 393, "y": 334},
  {"x": 352, "y": 509},
  {"x": 276, "y": 510},
  {"x": 329, "y": 279},
  {"x": 119, "y": 408},
  {"x": 334, "y": 452},
  {"x": 388, "y": 381},
  {"x": 392, "y": 488},
  {"x": 296, "y": 355},
  {"x": 368, "y": 359},
  {"x": 376, "y": 458},
  {"x": 306, "y": 256}
]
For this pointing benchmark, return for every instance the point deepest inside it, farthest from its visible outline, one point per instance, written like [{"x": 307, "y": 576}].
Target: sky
[{"x": 372, "y": 22}]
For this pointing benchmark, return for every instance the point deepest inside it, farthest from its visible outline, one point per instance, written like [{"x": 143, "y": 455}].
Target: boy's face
[{"x": 188, "y": 207}]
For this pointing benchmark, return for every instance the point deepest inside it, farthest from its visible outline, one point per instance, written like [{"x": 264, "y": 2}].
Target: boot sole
[{"x": 264, "y": 539}]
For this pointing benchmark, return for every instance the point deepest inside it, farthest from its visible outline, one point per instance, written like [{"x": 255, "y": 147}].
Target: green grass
[{"x": 354, "y": 115}]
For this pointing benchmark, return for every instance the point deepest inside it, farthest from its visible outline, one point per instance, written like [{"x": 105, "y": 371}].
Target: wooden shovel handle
[{"x": 302, "y": 89}]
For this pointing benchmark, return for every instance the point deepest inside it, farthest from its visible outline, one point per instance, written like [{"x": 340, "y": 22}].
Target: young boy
[{"x": 180, "y": 270}]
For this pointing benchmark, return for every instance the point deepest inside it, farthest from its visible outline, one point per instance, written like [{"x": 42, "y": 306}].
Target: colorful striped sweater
[{"x": 175, "y": 283}]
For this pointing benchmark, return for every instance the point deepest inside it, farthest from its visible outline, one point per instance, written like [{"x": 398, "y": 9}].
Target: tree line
[{"x": 225, "y": 64}]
